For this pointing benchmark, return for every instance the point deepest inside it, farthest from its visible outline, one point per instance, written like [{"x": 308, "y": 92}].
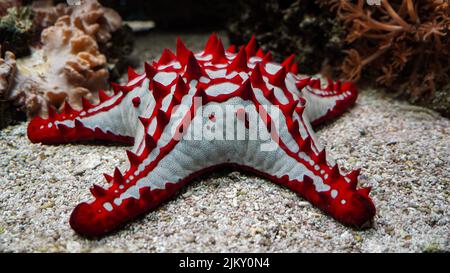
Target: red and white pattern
[{"x": 146, "y": 110}]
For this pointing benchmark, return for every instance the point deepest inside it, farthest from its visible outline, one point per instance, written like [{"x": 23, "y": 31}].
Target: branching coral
[
  {"x": 68, "y": 64},
  {"x": 402, "y": 44}
]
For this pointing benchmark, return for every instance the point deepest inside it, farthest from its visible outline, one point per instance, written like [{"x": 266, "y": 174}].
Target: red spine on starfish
[{"x": 156, "y": 110}]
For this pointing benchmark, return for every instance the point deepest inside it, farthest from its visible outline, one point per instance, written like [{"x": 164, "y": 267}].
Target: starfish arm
[
  {"x": 113, "y": 119},
  {"x": 326, "y": 102}
]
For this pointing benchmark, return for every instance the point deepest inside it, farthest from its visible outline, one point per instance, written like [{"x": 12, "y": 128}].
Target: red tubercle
[
  {"x": 260, "y": 53},
  {"x": 211, "y": 44},
  {"x": 288, "y": 62},
  {"x": 218, "y": 56},
  {"x": 251, "y": 47},
  {"x": 315, "y": 83},
  {"x": 239, "y": 64},
  {"x": 166, "y": 57},
  {"x": 268, "y": 57},
  {"x": 160, "y": 91},
  {"x": 132, "y": 74},
  {"x": 231, "y": 49},
  {"x": 193, "y": 69},
  {"x": 257, "y": 78},
  {"x": 182, "y": 52},
  {"x": 103, "y": 96},
  {"x": 136, "y": 101},
  {"x": 150, "y": 70}
]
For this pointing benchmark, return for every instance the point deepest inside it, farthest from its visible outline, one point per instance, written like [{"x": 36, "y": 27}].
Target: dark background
[{"x": 178, "y": 14}]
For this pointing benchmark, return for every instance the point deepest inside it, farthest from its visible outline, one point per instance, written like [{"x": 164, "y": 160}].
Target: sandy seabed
[{"x": 403, "y": 151}]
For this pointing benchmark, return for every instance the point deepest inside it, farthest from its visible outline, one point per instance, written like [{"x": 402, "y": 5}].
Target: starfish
[{"x": 177, "y": 117}]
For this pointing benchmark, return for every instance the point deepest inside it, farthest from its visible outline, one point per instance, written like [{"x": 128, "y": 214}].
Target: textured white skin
[
  {"x": 124, "y": 121},
  {"x": 222, "y": 88}
]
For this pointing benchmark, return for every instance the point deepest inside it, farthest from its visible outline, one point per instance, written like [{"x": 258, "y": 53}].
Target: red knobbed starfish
[{"x": 155, "y": 112}]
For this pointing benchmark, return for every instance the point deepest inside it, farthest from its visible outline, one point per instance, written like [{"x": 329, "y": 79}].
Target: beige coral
[
  {"x": 97, "y": 21},
  {"x": 91, "y": 17},
  {"x": 68, "y": 65}
]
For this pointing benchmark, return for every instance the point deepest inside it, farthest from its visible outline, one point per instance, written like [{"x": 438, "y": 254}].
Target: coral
[
  {"x": 68, "y": 63},
  {"x": 16, "y": 30},
  {"x": 114, "y": 39},
  {"x": 182, "y": 115},
  {"x": 402, "y": 44},
  {"x": 96, "y": 20},
  {"x": 91, "y": 17}
]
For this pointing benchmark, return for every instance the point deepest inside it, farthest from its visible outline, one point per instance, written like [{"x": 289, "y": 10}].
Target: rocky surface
[{"x": 403, "y": 151}]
